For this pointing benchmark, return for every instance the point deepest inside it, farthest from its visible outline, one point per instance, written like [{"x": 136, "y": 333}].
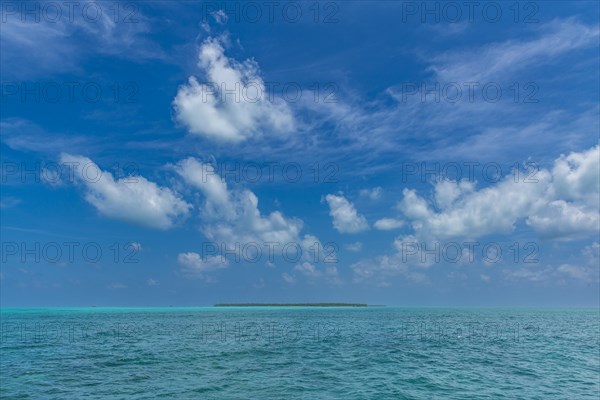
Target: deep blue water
[{"x": 299, "y": 353}]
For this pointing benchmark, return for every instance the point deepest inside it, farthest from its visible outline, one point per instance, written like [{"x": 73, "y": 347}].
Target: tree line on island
[{"x": 291, "y": 305}]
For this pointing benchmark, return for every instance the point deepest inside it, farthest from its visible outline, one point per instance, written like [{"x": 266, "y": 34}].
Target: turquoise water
[{"x": 299, "y": 353}]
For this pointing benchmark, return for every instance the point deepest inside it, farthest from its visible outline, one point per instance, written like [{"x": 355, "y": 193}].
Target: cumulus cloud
[
  {"x": 561, "y": 202},
  {"x": 560, "y": 219},
  {"x": 388, "y": 224},
  {"x": 473, "y": 214},
  {"x": 117, "y": 286},
  {"x": 377, "y": 271},
  {"x": 193, "y": 265},
  {"x": 233, "y": 104},
  {"x": 220, "y": 16},
  {"x": 576, "y": 177},
  {"x": 288, "y": 278},
  {"x": 204, "y": 177},
  {"x": 373, "y": 194},
  {"x": 586, "y": 270},
  {"x": 232, "y": 217},
  {"x": 446, "y": 192},
  {"x": 308, "y": 269},
  {"x": 135, "y": 246},
  {"x": 534, "y": 274},
  {"x": 345, "y": 217},
  {"x": 132, "y": 199},
  {"x": 573, "y": 197},
  {"x": 354, "y": 247},
  {"x": 312, "y": 272},
  {"x": 573, "y": 271},
  {"x": 366, "y": 270}
]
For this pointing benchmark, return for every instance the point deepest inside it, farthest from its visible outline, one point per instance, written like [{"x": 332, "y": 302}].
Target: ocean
[{"x": 299, "y": 353}]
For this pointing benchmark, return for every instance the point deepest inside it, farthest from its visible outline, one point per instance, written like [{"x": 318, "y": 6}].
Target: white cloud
[
  {"x": 410, "y": 250},
  {"x": 260, "y": 284},
  {"x": 472, "y": 214},
  {"x": 135, "y": 246},
  {"x": 132, "y": 199},
  {"x": 208, "y": 110},
  {"x": 560, "y": 219},
  {"x": 9, "y": 202},
  {"x": 25, "y": 271},
  {"x": 193, "y": 265},
  {"x": 354, "y": 247},
  {"x": 458, "y": 210},
  {"x": 233, "y": 217},
  {"x": 378, "y": 270},
  {"x": 288, "y": 278},
  {"x": 592, "y": 255},
  {"x": 117, "y": 286},
  {"x": 560, "y": 203},
  {"x": 505, "y": 130},
  {"x": 586, "y": 270},
  {"x": 446, "y": 192},
  {"x": 151, "y": 282},
  {"x": 573, "y": 271},
  {"x": 531, "y": 273},
  {"x": 577, "y": 177},
  {"x": 498, "y": 60},
  {"x": 204, "y": 177},
  {"x": 573, "y": 197},
  {"x": 61, "y": 42},
  {"x": 388, "y": 224},
  {"x": 24, "y": 135},
  {"x": 308, "y": 269},
  {"x": 370, "y": 131},
  {"x": 373, "y": 194},
  {"x": 220, "y": 16},
  {"x": 345, "y": 217}
]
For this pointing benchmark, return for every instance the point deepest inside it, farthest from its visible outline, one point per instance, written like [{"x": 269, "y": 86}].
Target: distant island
[{"x": 290, "y": 305}]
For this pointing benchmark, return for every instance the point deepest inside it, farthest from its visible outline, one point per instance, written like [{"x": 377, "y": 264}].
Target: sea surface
[{"x": 299, "y": 353}]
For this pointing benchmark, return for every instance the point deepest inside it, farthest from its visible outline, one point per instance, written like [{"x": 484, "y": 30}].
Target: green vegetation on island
[{"x": 290, "y": 305}]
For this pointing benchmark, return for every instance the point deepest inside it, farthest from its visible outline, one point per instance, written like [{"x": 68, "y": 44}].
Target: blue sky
[{"x": 394, "y": 153}]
